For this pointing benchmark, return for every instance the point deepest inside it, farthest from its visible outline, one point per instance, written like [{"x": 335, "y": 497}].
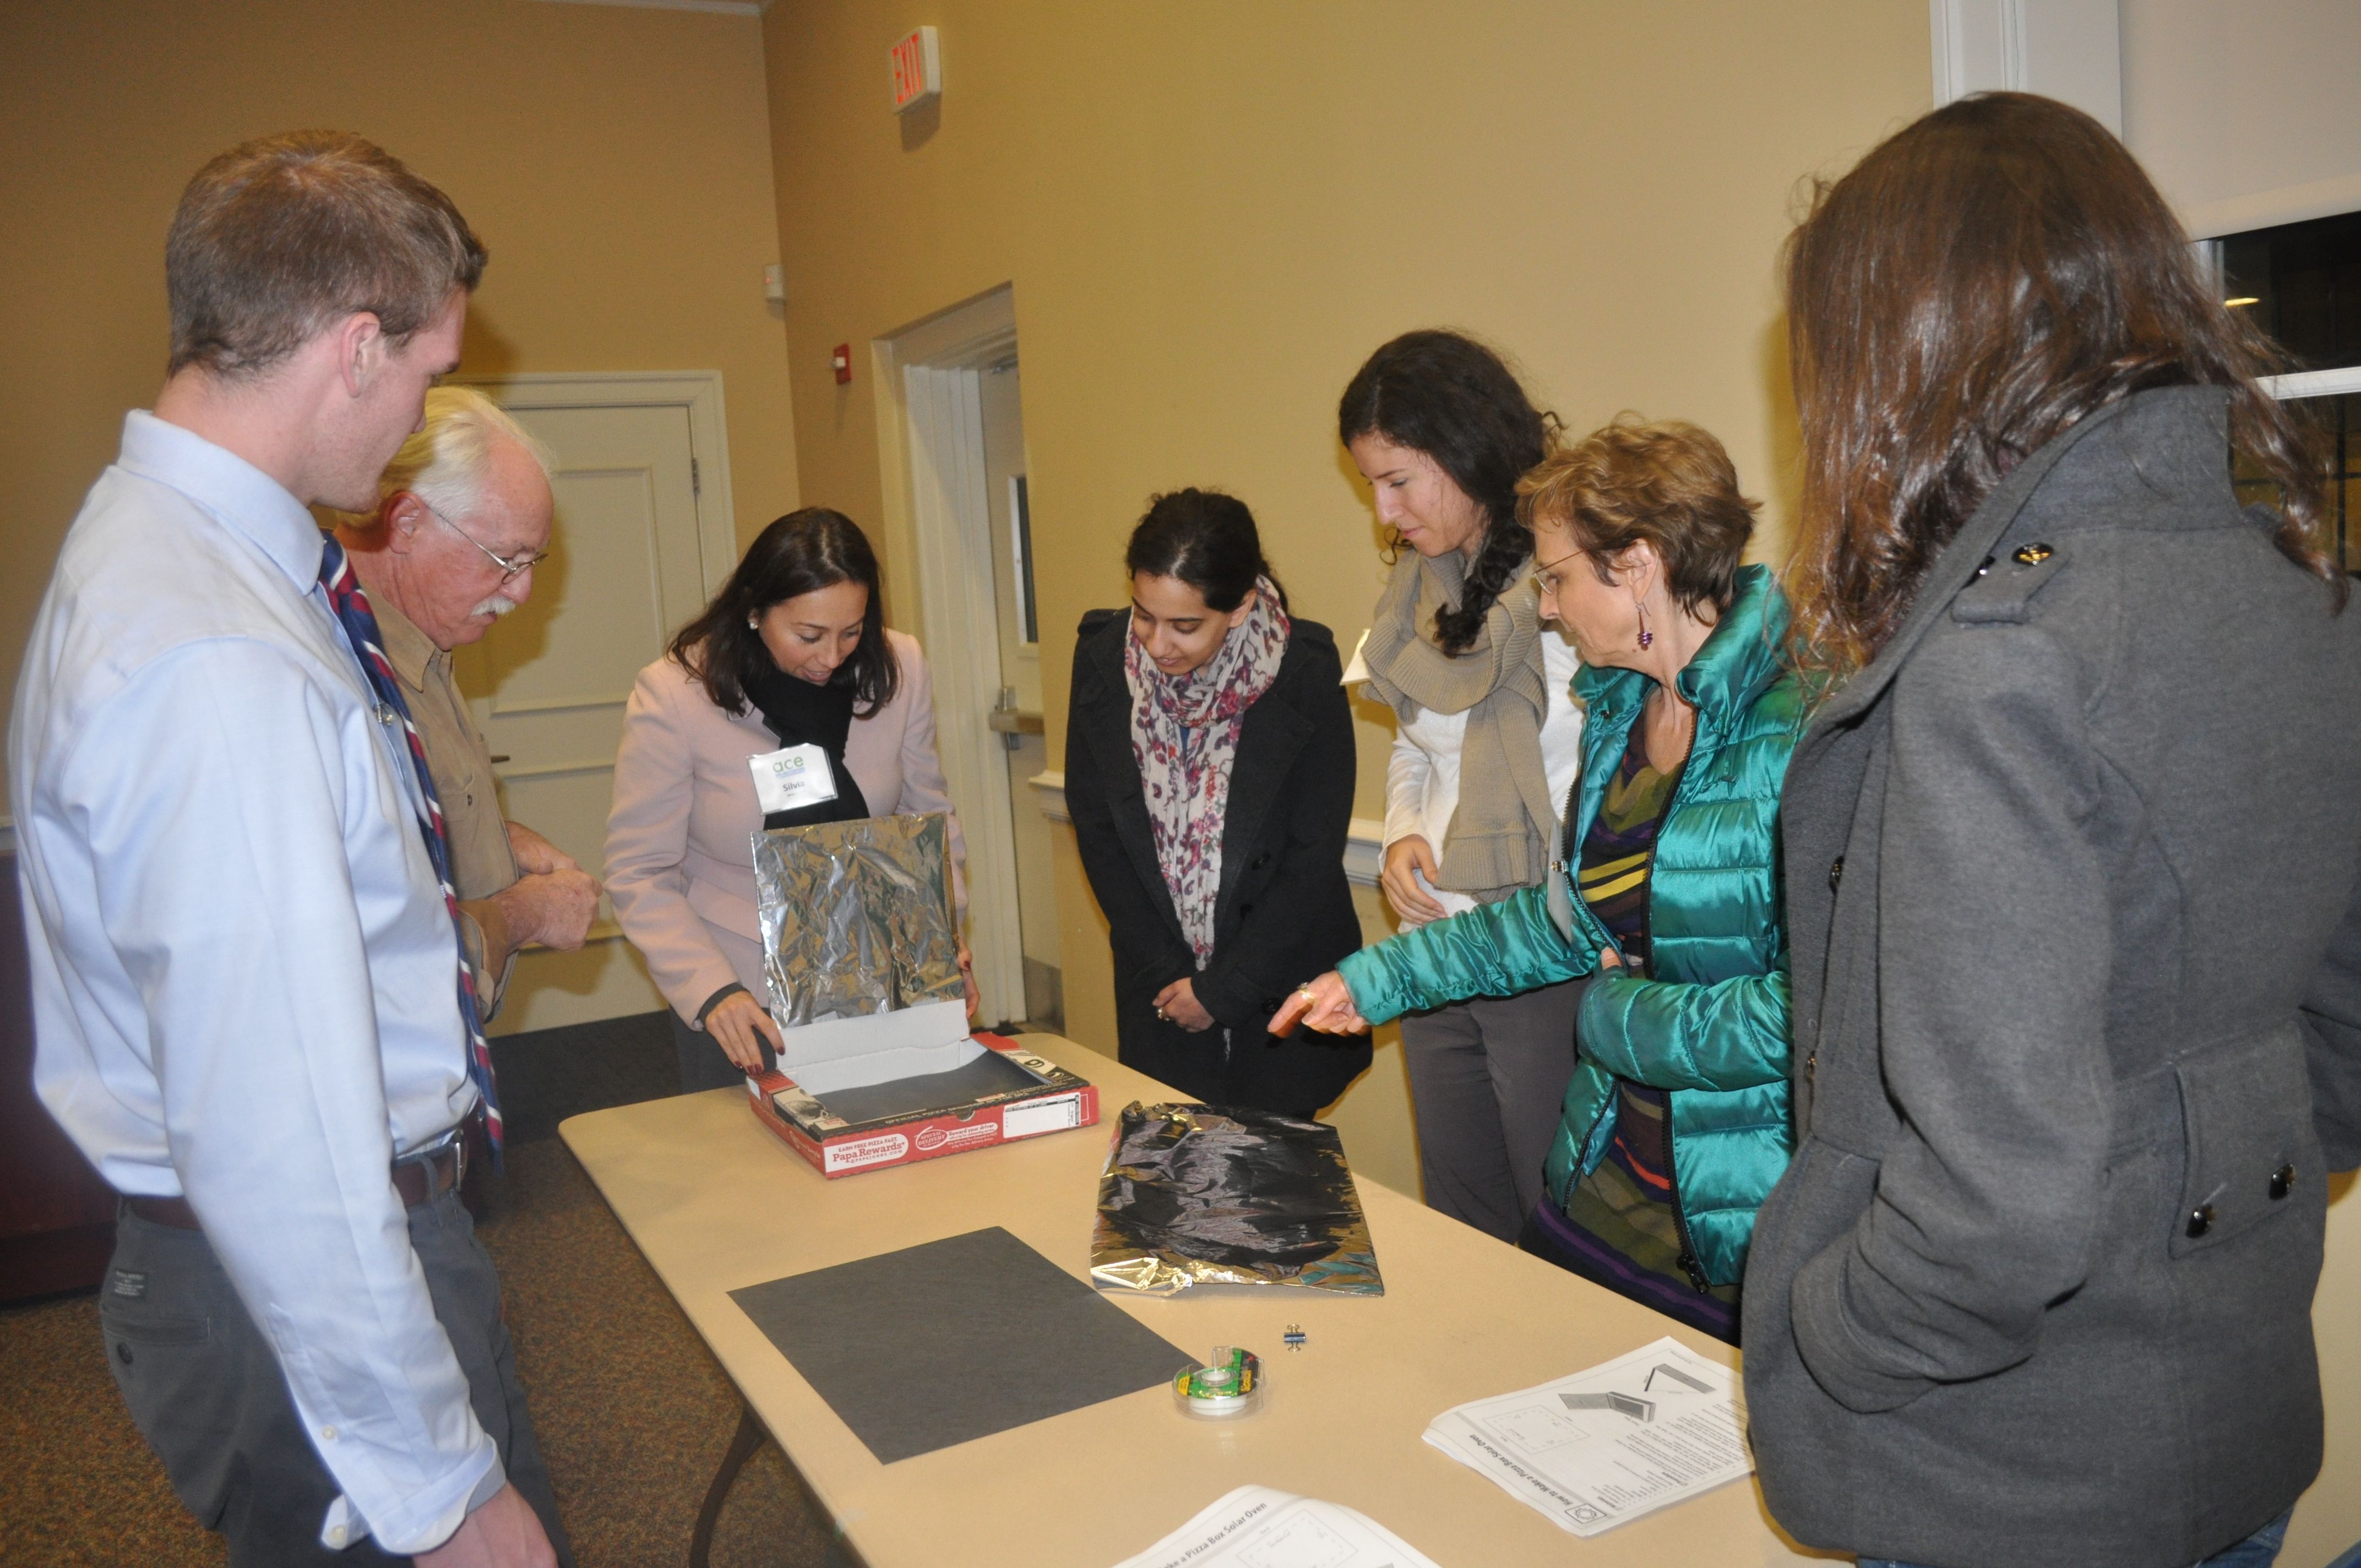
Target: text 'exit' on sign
[{"x": 918, "y": 69}]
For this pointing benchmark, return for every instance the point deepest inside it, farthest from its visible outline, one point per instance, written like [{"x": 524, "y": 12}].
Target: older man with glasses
[{"x": 463, "y": 517}]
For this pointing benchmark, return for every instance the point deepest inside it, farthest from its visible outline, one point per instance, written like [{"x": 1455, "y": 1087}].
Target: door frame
[
  {"x": 931, "y": 457},
  {"x": 697, "y": 392}
]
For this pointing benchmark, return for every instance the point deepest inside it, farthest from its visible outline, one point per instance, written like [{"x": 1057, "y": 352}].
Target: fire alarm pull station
[{"x": 841, "y": 361}]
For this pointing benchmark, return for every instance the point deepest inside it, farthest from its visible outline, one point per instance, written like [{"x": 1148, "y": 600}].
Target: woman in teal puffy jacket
[{"x": 1676, "y": 1125}]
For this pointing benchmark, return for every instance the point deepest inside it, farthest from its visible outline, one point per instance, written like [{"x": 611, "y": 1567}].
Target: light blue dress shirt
[{"x": 245, "y": 979}]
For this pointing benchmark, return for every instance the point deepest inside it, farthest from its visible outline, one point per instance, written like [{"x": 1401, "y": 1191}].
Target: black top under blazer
[{"x": 1284, "y": 914}]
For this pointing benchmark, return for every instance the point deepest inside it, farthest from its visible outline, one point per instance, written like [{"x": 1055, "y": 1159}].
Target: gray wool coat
[{"x": 2070, "y": 871}]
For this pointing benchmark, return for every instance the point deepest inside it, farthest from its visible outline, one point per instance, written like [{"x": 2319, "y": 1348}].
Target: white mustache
[{"x": 495, "y": 605}]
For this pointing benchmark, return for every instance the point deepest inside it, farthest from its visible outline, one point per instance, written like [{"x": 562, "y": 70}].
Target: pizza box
[{"x": 866, "y": 1109}]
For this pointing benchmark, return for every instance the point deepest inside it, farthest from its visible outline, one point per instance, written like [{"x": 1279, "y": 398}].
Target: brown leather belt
[{"x": 419, "y": 1176}]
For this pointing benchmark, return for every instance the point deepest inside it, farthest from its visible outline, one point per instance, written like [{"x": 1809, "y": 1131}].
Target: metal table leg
[{"x": 750, "y": 1437}]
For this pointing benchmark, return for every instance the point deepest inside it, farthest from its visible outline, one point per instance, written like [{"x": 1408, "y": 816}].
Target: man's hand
[
  {"x": 967, "y": 980},
  {"x": 504, "y": 1533},
  {"x": 1405, "y": 856},
  {"x": 1179, "y": 1002},
  {"x": 739, "y": 1025},
  {"x": 1325, "y": 1005},
  {"x": 554, "y": 908},
  {"x": 536, "y": 856}
]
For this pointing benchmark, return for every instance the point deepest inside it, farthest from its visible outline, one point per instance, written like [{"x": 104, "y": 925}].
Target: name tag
[{"x": 792, "y": 778}]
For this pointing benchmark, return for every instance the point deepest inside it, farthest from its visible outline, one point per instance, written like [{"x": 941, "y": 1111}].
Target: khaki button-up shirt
[{"x": 481, "y": 862}]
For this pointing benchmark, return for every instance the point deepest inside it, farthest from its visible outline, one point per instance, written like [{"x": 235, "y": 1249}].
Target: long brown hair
[{"x": 1983, "y": 280}]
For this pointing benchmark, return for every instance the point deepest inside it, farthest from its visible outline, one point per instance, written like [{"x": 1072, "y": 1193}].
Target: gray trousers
[
  {"x": 1487, "y": 1079},
  {"x": 205, "y": 1389}
]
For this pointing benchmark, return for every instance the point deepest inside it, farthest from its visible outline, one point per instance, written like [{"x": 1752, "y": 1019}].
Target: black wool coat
[{"x": 1284, "y": 912}]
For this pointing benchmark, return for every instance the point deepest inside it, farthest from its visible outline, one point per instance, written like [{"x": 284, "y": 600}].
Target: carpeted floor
[{"x": 632, "y": 1411}]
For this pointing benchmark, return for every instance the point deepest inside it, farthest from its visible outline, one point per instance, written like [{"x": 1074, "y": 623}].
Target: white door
[
  {"x": 548, "y": 683},
  {"x": 1018, "y": 711}
]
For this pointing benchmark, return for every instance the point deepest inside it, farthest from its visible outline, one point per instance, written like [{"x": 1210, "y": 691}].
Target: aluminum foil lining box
[{"x": 860, "y": 954}]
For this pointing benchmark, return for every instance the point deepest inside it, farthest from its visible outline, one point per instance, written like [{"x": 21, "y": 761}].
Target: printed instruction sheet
[
  {"x": 1254, "y": 1526},
  {"x": 1602, "y": 1447}
]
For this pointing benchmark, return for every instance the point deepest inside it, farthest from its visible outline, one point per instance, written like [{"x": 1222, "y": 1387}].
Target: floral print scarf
[{"x": 1184, "y": 736}]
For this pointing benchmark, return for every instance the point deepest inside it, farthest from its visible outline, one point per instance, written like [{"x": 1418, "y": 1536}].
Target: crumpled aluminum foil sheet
[
  {"x": 1208, "y": 1195},
  {"x": 857, "y": 916}
]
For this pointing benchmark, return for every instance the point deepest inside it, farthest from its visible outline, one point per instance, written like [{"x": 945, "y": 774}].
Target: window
[
  {"x": 2302, "y": 282},
  {"x": 1020, "y": 529}
]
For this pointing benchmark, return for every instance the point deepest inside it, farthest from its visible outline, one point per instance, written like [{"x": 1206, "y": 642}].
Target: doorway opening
[{"x": 951, "y": 430}]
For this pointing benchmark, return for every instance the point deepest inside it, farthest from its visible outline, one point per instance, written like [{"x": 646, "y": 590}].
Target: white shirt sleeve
[
  {"x": 1408, "y": 772},
  {"x": 250, "y": 855}
]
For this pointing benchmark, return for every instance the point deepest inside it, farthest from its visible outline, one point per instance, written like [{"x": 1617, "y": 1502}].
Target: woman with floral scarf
[{"x": 1209, "y": 769}]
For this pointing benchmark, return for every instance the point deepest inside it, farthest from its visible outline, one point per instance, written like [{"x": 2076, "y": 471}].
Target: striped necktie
[{"x": 352, "y": 607}]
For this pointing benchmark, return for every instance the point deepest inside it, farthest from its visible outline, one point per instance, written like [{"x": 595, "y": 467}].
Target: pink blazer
[{"x": 678, "y": 865}]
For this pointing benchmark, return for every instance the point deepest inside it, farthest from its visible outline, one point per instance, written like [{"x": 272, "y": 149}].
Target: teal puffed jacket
[{"x": 1712, "y": 1025}]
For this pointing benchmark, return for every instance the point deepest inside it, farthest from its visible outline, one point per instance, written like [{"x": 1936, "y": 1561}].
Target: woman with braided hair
[{"x": 1486, "y": 747}]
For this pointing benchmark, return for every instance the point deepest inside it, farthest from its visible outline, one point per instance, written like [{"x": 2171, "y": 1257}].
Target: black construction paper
[
  {"x": 991, "y": 1073},
  {"x": 957, "y": 1339}
]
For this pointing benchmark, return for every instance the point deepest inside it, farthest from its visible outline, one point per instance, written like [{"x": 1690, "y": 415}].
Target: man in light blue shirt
[{"x": 245, "y": 974}]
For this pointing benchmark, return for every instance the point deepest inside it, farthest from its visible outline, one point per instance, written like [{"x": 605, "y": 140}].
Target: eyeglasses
[
  {"x": 510, "y": 569},
  {"x": 1544, "y": 581}
]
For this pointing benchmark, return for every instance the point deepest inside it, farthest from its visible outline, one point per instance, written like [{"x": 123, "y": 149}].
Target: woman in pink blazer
[{"x": 792, "y": 652}]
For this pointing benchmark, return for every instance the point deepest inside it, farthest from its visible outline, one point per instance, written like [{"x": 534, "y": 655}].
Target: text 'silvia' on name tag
[{"x": 792, "y": 778}]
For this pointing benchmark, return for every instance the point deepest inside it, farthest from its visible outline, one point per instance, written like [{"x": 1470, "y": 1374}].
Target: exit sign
[{"x": 918, "y": 69}]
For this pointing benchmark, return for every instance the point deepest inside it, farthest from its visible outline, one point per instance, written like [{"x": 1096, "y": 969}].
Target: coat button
[
  {"x": 123, "y": 1352},
  {"x": 1835, "y": 872},
  {"x": 2201, "y": 1220},
  {"x": 2282, "y": 1180}
]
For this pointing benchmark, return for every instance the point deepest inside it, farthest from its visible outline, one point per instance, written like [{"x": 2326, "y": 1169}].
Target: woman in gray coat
[{"x": 2072, "y": 849}]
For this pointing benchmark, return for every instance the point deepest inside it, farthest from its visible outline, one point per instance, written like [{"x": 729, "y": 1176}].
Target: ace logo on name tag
[{"x": 792, "y": 778}]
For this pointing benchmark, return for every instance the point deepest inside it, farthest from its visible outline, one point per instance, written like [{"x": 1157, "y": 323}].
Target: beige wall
[
  {"x": 1210, "y": 214},
  {"x": 616, "y": 163}
]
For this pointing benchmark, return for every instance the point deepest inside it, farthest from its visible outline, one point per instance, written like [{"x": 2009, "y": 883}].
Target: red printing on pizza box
[{"x": 1049, "y": 1099}]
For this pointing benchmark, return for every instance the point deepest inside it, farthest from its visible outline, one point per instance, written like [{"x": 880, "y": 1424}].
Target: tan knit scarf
[{"x": 1498, "y": 837}]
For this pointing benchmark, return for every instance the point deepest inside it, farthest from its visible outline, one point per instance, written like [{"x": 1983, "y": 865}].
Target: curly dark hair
[
  {"x": 799, "y": 553},
  {"x": 1448, "y": 396},
  {"x": 1983, "y": 280}
]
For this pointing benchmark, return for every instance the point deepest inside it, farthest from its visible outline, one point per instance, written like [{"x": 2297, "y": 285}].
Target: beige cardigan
[{"x": 678, "y": 866}]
